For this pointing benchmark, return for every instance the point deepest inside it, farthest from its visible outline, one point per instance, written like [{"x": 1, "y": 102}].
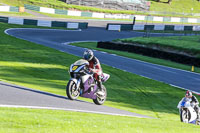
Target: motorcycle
[
  {"x": 83, "y": 84},
  {"x": 187, "y": 112}
]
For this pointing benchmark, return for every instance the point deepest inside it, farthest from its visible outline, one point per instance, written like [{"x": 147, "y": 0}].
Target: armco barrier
[
  {"x": 31, "y": 7},
  {"x": 4, "y": 19},
  {"x": 45, "y": 23},
  {"x": 14, "y": 9},
  {"x": 176, "y": 57},
  {"x": 61, "y": 12},
  {"x": 113, "y": 16},
  {"x": 9, "y": 9},
  {"x": 119, "y": 27},
  {"x": 30, "y": 22}
]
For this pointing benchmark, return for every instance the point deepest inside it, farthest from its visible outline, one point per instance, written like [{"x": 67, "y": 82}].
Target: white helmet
[
  {"x": 88, "y": 55},
  {"x": 188, "y": 93}
]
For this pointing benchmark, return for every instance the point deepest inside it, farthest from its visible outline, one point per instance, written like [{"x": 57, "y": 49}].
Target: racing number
[{"x": 74, "y": 68}]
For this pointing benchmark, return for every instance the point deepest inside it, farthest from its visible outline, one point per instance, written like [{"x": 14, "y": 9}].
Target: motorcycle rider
[
  {"x": 94, "y": 66},
  {"x": 194, "y": 102}
]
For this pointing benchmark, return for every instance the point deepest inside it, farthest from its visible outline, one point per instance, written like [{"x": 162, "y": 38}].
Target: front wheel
[
  {"x": 72, "y": 91},
  {"x": 101, "y": 98},
  {"x": 184, "y": 115}
]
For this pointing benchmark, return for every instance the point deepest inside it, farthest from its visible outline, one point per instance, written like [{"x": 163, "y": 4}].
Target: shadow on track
[{"x": 40, "y": 92}]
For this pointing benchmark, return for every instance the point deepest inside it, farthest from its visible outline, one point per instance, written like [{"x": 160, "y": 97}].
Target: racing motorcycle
[
  {"x": 82, "y": 83},
  {"x": 187, "y": 112}
]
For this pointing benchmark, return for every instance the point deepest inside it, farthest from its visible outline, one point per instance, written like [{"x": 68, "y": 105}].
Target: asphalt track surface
[
  {"x": 59, "y": 39},
  {"x": 22, "y": 97}
]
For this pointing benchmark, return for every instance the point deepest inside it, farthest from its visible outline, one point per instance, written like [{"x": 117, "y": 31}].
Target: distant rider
[
  {"x": 194, "y": 102},
  {"x": 94, "y": 66}
]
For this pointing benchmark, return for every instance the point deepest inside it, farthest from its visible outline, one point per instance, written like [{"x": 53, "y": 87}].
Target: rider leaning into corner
[
  {"x": 194, "y": 102},
  {"x": 94, "y": 66}
]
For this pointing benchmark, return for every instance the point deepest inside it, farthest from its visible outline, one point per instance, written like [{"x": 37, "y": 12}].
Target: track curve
[{"x": 58, "y": 39}]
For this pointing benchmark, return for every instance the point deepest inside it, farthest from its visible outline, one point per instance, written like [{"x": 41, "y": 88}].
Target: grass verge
[
  {"x": 185, "y": 44},
  {"x": 16, "y": 14},
  {"x": 39, "y": 67},
  {"x": 49, "y": 121}
]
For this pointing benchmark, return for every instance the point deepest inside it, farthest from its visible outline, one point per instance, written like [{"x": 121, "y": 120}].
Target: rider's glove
[{"x": 193, "y": 104}]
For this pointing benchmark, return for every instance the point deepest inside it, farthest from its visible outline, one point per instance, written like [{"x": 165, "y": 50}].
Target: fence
[{"x": 44, "y": 23}]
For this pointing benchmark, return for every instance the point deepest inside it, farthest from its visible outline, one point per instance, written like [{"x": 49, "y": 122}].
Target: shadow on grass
[
  {"x": 132, "y": 91},
  {"x": 124, "y": 89}
]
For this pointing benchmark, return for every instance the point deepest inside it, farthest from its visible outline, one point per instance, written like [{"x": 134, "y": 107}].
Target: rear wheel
[
  {"x": 72, "y": 91},
  {"x": 101, "y": 98}
]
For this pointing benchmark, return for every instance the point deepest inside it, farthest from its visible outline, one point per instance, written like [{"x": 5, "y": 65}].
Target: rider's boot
[{"x": 100, "y": 86}]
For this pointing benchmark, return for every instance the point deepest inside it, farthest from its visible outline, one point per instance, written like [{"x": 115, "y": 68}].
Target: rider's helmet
[
  {"x": 188, "y": 94},
  {"x": 88, "y": 55}
]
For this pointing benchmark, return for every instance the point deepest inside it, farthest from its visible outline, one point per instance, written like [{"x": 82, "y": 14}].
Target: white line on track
[
  {"x": 73, "y": 110},
  {"x": 6, "y": 31},
  {"x": 157, "y": 65},
  {"x": 67, "y": 43},
  {"x": 160, "y": 65},
  {"x": 184, "y": 89}
]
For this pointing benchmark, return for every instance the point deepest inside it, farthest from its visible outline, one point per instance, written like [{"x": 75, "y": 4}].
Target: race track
[
  {"x": 58, "y": 39},
  {"x": 22, "y": 97}
]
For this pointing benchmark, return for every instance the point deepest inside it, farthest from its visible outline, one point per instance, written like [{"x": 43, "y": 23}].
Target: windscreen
[{"x": 81, "y": 62}]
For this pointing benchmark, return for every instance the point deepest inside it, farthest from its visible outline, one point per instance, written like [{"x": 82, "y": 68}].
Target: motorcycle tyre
[
  {"x": 68, "y": 91},
  {"x": 97, "y": 100},
  {"x": 182, "y": 113}
]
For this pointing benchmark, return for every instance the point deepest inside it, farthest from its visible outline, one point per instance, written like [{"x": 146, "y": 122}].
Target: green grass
[
  {"x": 93, "y": 45},
  {"x": 187, "y": 44},
  {"x": 177, "y": 6},
  {"x": 48, "y": 121},
  {"x": 14, "y": 2},
  {"x": 39, "y": 67},
  {"x": 16, "y": 14}
]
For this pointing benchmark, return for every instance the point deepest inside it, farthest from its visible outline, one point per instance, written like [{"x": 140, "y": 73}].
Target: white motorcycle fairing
[{"x": 184, "y": 103}]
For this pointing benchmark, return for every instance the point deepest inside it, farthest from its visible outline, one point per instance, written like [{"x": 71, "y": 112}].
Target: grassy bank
[
  {"x": 185, "y": 44},
  {"x": 39, "y": 67},
  {"x": 176, "y": 6}
]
